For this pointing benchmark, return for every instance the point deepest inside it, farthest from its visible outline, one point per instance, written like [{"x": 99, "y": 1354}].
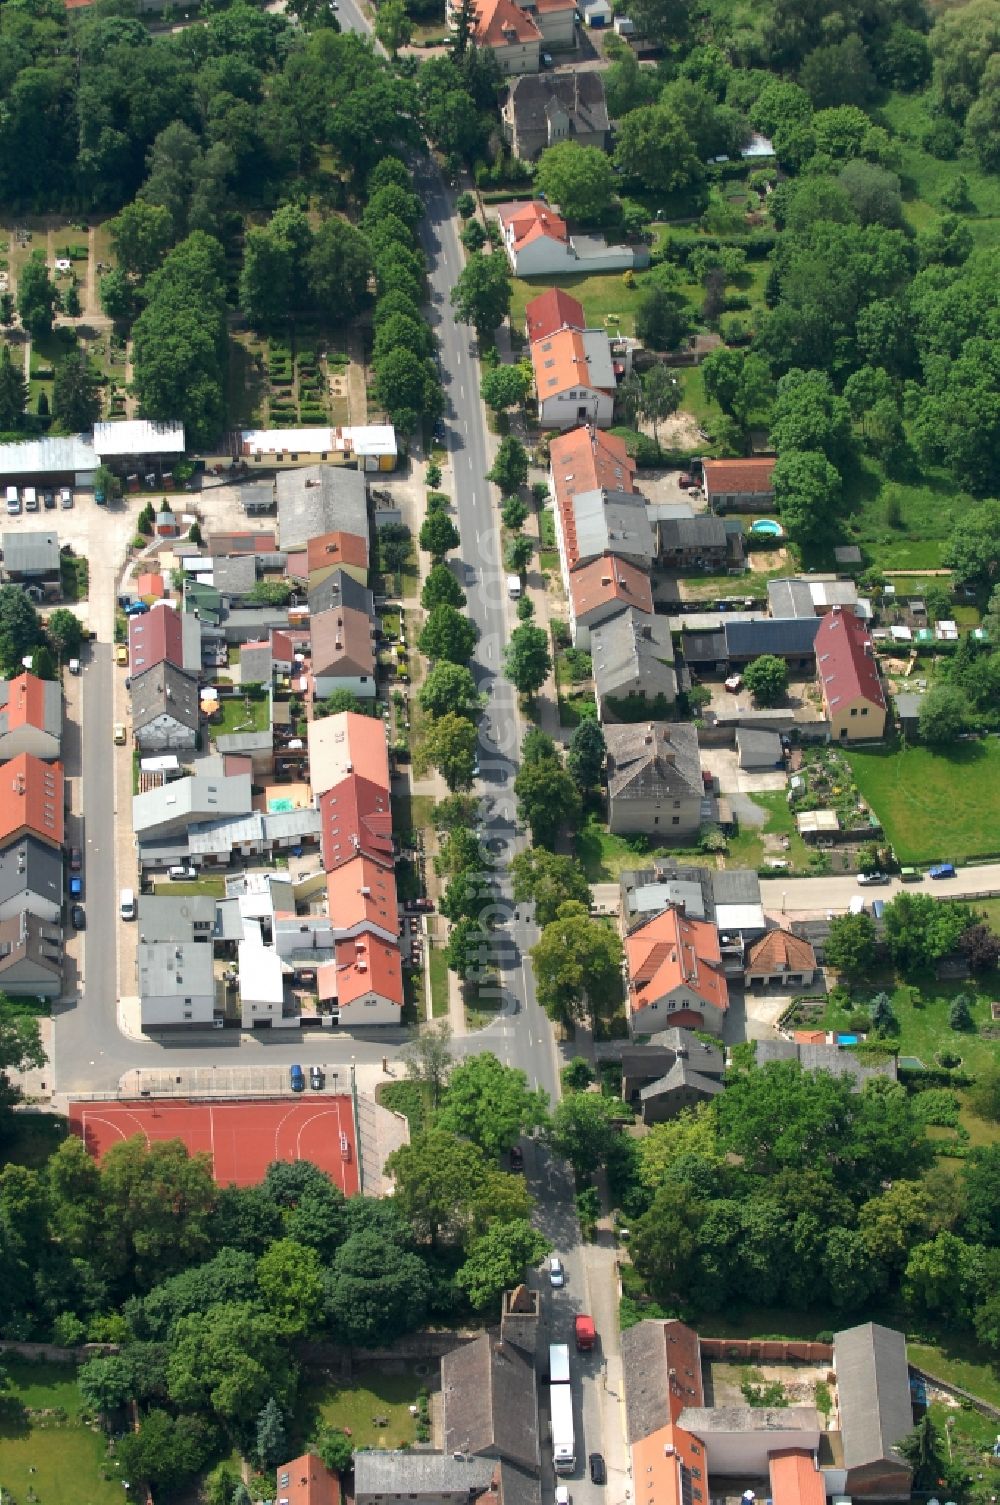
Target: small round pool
[{"x": 766, "y": 527}]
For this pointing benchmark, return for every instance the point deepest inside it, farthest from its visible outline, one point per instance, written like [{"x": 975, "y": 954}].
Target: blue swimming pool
[
  {"x": 766, "y": 527},
  {"x": 847, "y": 1039}
]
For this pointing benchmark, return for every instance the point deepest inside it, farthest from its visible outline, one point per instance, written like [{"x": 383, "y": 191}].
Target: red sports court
[{"x": 241, "y": 1137}]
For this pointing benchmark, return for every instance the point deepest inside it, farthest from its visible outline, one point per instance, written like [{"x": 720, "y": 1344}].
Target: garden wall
[{"x": 766, "y": 1350}]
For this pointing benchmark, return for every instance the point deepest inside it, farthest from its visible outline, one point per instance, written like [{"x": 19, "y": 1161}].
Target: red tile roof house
[
  {"x": 853, "y": 697},
  {"x": 513, "y": 37},
  {"x": 154, "y": 638},
  {"x": 551, "y": 311},
  {"x": 356, "y": 821},
  {"x": 602, "y": 590},
  {"x": 307, "y": 1481},
  {"x": 675, "y": 975},
  {"x": 30, "y": 717},
  {"x": 31, "y": 800},
  {"x": 581, "y": 462},
  {"x": 364, "y": 982},
  {"x": 536, "y": 239},
  {"x": 575, "y": 379},
  {"x": 538, "y": 244},
  {"x": 738, "y": 485}
]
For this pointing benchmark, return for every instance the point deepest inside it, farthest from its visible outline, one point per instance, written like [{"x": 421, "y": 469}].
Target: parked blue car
[
  {"x": 942, "y": 870},
  {"x": 296, "y": 1079}
]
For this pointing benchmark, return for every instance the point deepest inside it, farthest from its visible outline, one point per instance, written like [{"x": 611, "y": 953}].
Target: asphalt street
[{"x": 814, "y": 896}]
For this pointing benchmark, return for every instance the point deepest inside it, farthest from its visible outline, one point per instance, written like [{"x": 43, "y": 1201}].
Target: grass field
[
  {"x": 60, "y": 1463},
  {"x": 928, "y": 509},
  {"x": 925, "y": 178},
  {"x": 934, "y": 805},
  {"x": 360, "y": 1407}
]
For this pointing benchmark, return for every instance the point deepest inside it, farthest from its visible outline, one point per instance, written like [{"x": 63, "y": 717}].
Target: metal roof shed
[{"x": 135, "y": 437}]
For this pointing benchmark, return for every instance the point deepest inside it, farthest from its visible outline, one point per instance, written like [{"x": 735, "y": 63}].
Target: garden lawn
[
  {"x": 922, "y": 1011},
  {"x": 355, "y": 1407},
  {"x": 241, "y": 713},
  {"x": 439, "y": 982},
  {"x": 603, "y": 856},
  {"x": 934, "y": 805},
  {"x": 62, "y": 1463},
  {"x": 600, "y": 295},
  {"x": 746, "y": 848}
]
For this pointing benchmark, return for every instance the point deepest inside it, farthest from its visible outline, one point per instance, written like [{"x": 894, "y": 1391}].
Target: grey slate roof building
[
  {"x": 734, "y": 885},
  {"x": 320, "y": 499},
  {"x": 680, "y": 1088},
  {"x": 705, "y": 651},
  {"x": 31, "y": 879},
  {"x": 613, "y": 522},
  {"x": 379, "y": 1473},
  {"x": 31, "y": 556},
  {"x": 790, "y": 598},
  {"x": 339, "y": 589},
  {"x": 490, "y": 1402},
  {"x": 180, "y": 920},
  {"x": 643, "y": 1063},
  {"x": 633, "y": 654},
  {"x": 702, "y": 891},
  {"x": 662, "y": 1365},
  {"x": 791, "y": 638},
  {"x": 654, "y": 777},
  {"x": 873, "y": 1387},
  {"x": 256, "y": 663},
  {"x": 758, "y": 749},
  {"x": 235, "y": 575},
  {"x": 165, "y": 713},
  {"x": 171, "y": 808},
  {"x": 543, "y": 109},
  {"x": 257, "y": 497},
  {"x": 830, "y": 1058},
  {"x": 31, "y": 957},
  {"x": 707, "y": 540}
]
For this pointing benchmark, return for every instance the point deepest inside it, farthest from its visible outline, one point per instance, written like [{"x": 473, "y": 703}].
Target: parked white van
[{"x": 126, "y": 904}]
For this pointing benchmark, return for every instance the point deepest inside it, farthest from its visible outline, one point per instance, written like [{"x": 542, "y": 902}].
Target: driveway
[{"x": 732, "y": 779}]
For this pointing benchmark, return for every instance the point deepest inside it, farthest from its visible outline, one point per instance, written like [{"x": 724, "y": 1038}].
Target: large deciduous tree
[
  {"x": 577, "y": 964},
  {"x": 450, "y": 745},
  {"x": 13, "y": 392},
  {"x": 447, "y": 1188},
  {"x": 807, "y": 492},
  {"x": 577, "y": 178},
  {"x": 449, "y": 635},
  {"x": 547, "y": 880},
  {"x": 482, "y": 295},
  {"x": 229, "y": 1362},
  {"x": 491, "y": 1104},
  {"x": 450, "y": 687},
  {"x": 527, "y": 661},
  {"x": 767, "y": 679},
  {"x": 498, "y": 1259}
]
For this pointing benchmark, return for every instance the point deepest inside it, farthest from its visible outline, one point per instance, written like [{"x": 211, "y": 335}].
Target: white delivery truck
[
  {"x": 514, "y": 587},
  {"x": 563, "y": 1438}
]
